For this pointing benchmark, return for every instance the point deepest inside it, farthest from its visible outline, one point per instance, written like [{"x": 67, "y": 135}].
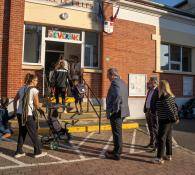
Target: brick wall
[
  {"x": 94, "y": 82},
  {"x": 176, "y": 83},
  {"x": 129, "y": 48},
  {"x": 14, "y": 80},
  {"x": 4, "y": 41}
]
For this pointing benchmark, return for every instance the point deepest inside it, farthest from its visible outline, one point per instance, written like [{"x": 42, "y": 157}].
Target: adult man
[
  {"x": 150, "y": 111},
  {"x": 116, "y": 109}
]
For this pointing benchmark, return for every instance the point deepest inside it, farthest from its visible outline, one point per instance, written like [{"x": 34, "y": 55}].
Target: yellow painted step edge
[{"x": 74, "y": 129}]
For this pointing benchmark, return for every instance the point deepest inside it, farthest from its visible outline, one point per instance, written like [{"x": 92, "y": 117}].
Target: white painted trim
[
  {"x": 55, "y": 51},
  {"x": 83, "y": 49},
  {"x": 154, "y": 20},
  {"x": 155, "y": 11}
]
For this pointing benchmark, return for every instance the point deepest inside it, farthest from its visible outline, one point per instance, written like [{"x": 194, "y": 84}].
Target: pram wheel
[
  {"x": 54, "y": 145},
  {"x": 44, "y": 139},
  {"x": 69, "y": 136}
]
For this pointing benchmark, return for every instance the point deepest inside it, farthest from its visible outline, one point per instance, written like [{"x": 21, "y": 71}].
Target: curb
[{"x": 76, "y": 129}]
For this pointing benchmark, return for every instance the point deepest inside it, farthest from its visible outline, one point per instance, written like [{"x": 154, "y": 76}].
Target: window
[
  {"x": 91, "y": 50},
  {"x": 32, "y": 44},
  {"x": 175, "y": 58}
]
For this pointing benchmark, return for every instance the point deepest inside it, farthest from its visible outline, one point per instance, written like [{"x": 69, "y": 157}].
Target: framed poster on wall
[
  {"x": 137, "y": 84},
  {"x": 188, "y": 86}
]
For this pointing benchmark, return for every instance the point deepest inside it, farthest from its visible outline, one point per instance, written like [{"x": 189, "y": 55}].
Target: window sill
[
  {"x": 32, "y": 67},
  {"x": 92, "y": 70},
  {"x": 175, "y": 72}
]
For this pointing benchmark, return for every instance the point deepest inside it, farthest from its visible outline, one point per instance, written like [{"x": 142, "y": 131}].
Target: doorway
[{"x": 53, "y": 52}]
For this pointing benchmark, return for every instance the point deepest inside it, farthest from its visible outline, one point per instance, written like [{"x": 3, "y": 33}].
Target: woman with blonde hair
[{"x": 167, "y": 115}]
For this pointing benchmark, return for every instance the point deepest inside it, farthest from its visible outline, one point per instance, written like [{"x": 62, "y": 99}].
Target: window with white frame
[
  {"x": 91, "y": 50},
  {"x": 32, "y": 44},
  {"x": 175, "y": 58}
]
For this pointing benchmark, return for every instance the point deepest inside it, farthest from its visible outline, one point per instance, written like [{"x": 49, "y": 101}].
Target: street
[{"x": 85, "y": 155}]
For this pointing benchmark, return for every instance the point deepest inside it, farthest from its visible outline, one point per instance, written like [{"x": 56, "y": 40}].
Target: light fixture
[{"x": 63, "y": 16}]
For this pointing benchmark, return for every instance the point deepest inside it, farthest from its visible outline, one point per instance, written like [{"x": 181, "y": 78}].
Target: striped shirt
[{"x": 166, "y": 108}]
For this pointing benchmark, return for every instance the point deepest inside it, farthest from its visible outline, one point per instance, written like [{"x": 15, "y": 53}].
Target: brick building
[{"x": 148, "y": 39}]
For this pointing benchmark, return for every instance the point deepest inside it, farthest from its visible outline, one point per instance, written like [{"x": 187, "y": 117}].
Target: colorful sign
[{"x": 63, "y": 35}]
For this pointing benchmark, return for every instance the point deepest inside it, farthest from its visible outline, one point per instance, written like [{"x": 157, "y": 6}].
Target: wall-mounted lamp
[{"x": 63, "y": 16}]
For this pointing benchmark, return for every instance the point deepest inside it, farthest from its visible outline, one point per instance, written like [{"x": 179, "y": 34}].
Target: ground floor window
[
  {"x": 64, "y": 40},
  {"x": 91, "y": 50},
  {"x": 32, "y": 44},
  {"x": 176, "y": 58}
]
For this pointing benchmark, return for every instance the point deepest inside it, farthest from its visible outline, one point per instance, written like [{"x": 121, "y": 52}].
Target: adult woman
[
  {"x": 166, "y": 111},
  {"x": 28, "y": 100}
]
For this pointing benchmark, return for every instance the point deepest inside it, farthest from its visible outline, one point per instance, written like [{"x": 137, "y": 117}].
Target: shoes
[
  {"x": 6, "y": 136},
  {"x": 153, "y": 150},
  {"x": 40, "y": 155},
  {"x": 18, "y": 155},
  {"x": 112, "y": 156},
  {"x": 149, "y": 145},
  {"x": 158, "y": 161},
  {"x": 168, "y": 158}
]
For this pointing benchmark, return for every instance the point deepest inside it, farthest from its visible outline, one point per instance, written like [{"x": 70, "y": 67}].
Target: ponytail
[{"x": 28, "y": 78}]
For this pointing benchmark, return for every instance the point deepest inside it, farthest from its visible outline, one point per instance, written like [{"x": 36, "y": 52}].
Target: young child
[
  {"x": 5, "y": 130},
  {"x": 78, "y": 92}
]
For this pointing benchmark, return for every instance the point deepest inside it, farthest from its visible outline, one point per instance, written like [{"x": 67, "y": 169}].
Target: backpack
[
  {"x": 2, "y": 115},
  {"x": 81, "y": 89}
]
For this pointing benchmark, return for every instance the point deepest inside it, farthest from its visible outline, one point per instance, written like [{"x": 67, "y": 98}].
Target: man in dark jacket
[
  {"x": 116, "y": 109},
  {"x": 150, "y": 111}
]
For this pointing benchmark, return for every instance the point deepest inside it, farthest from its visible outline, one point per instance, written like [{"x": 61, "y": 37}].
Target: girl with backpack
[{"x": 28, "y": 102}]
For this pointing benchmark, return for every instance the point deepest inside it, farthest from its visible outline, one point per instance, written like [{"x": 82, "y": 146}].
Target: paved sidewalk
[{"x": 84, "y": 156}]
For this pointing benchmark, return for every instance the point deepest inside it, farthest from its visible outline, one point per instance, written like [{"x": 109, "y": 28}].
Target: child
[
  {"x": 78, "y": 92},
  {"x": 53, "y": 120},
  {"x": 5, "y": 131}
]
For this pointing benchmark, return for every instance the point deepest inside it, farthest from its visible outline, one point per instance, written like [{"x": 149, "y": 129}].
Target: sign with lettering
[
  {"x": 90, "y": 4},
  {"x": 63, "y": 35}
]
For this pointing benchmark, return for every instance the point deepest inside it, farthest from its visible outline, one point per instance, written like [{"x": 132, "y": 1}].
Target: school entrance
[{"x": 61, "y": 44}]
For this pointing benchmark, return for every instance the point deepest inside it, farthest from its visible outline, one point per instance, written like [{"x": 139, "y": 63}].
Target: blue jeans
[{"x": 3, "y": 131}]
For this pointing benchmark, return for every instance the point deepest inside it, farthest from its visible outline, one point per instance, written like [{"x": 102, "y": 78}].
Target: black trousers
[
  {"x": 116, "y": 125},
  {"x": 60, "y": 91},
  {"x": 30, "y": 128},
  {"x": 152, "y": 127},
  {"x": 164, "y": 139}
]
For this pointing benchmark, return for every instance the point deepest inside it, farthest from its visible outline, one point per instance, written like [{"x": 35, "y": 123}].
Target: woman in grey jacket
[{"x": 167, "y": 114}]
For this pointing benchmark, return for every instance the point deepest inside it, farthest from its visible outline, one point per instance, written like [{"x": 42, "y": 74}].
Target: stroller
[{"x": 56, "y": 131}]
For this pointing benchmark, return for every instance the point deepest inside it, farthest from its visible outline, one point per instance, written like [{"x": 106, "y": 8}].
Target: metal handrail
[
  {"x": 89, "y": 90},
  {"x": 89, "y": 102}
]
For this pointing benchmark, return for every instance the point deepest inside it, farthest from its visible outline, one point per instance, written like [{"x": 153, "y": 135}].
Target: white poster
[
  {"x": 188, "y": 86},
  {"x": 137, "y": 85}
]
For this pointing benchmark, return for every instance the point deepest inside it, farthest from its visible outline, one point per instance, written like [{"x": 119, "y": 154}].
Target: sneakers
[
  {"x": 18, "y": 155},
  {"x": 158, "y": 161},
  {"x": 112, "y": 156},
  {"x": 40, "y": 155},
  {"x": 168, "y": 158}
]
